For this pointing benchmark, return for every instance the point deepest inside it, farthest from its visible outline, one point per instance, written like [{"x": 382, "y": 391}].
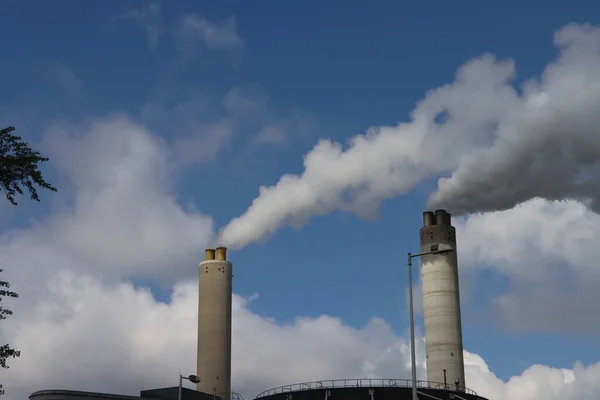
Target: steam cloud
[{"x": 499, "y": 145}]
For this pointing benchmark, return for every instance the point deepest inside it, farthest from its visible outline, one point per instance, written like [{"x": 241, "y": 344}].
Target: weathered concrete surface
[
  {"x": 214, "y": 325},
  {"x": 441, "y": 302}
]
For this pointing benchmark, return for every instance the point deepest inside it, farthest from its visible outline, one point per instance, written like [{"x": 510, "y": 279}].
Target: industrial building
[
  {"x": 170, "y": 393},
  {"x": 443, "y": 337}
]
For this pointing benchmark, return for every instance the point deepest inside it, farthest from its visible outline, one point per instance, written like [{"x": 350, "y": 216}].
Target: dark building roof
[
  {"x": 59, "y": 394},
  {"x": 170, "y": 393}
]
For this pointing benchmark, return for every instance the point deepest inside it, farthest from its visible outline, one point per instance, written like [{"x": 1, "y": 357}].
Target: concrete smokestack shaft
[
  {"x": 441, "y": 303},
  {"x": 214, "y": 325}
]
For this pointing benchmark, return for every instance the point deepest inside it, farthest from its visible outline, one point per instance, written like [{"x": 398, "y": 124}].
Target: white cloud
[
  {"x": 123, "y": 217},
  {"x": 116, "y": 338},
  {"x": 149, "y": 16},
  {"x": 547, "y": 250},
  {"x": 124, "y": 220},
  {"x": 64, "y": 77},
  {"x": 197, "y": 33}
]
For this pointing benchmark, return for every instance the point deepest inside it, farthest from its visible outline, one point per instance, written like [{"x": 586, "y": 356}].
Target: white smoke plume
[{"x": 500, "y": 145}]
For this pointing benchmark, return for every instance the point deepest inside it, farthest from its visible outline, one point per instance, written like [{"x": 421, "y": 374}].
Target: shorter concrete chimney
[
  {"x": 221, "y": 253},
  {"x": 213, "y": 361},
  {"x": 209, "y": 254}
]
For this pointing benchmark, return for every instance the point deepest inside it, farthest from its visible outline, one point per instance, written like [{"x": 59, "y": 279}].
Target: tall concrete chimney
[
  {"x": 441, "y": 302},
  {"x": 214, "y": 324}
]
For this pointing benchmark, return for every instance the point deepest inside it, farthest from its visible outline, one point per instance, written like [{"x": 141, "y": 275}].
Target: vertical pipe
[
  {"x": 413, "y": 361},
  {"x": 428, "y": 218},
  {"x": 180, "y": 385},
  {"x": 209, "y": 254},
  {"x": 445, "y": 381},
  {"x": 448, "y": 219},
  {"x": 440, "y": 217},
  {"x": 221, "y": 253}
]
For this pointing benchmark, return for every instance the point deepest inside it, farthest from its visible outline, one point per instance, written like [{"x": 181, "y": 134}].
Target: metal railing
[
  {"x": 236, "y": 396},
  {"x": 349, "y": 383}
]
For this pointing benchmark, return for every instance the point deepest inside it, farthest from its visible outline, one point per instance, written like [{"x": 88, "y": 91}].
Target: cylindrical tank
[
  {"x": 441, "y": 303},
  {"x": 214, "y": 324}
]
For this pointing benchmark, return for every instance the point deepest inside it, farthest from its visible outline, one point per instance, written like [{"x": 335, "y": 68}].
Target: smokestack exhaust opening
[
  {"x": 440, "y": 217},
  {"x": 221, "y": 253},
  {"x": 209, "y": 254},
  {"x": 428, "y": 218}
]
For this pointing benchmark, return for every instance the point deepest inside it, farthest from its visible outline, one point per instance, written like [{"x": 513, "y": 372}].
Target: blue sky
[{"x": 308, "y": 70}]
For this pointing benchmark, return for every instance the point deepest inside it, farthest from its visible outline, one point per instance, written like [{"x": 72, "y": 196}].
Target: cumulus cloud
[
  {"x": 119, "y": 339},
  {"x": 123, "y": 220},
  {"x": 547, "y": 250},
  {"x": 120, "y": 219},
  {"x": 503, "y": 145},
  {"x": 116, "y": 216},
  {"x": 115, "y": 327},
  {"x": 197, "y": 33},
  {"x": 119, "y": 215}
]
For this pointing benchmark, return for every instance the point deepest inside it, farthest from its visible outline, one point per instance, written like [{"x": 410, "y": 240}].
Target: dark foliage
[
  {"x": 6, "y": 351},
  {"x": 19, "y": 167},
  {"x": 18, "y": 170}
]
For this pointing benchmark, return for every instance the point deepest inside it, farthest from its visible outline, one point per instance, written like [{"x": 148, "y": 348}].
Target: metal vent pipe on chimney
[
  {"x": 214, "y": 324},
  {"x": 428, "y": 218},
  {"x": 221, "y": 253},
  {"x": 440, "y": 217},
  {"x": 209, "y": 254}
]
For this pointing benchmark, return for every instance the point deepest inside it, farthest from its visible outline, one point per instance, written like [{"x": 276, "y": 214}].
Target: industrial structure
[
  {"x": 443, "y": 337},
  {"x": 441, "y": 302},
  {"x": 214, "y": 324},
  {"x": 443, "y": 334}
]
